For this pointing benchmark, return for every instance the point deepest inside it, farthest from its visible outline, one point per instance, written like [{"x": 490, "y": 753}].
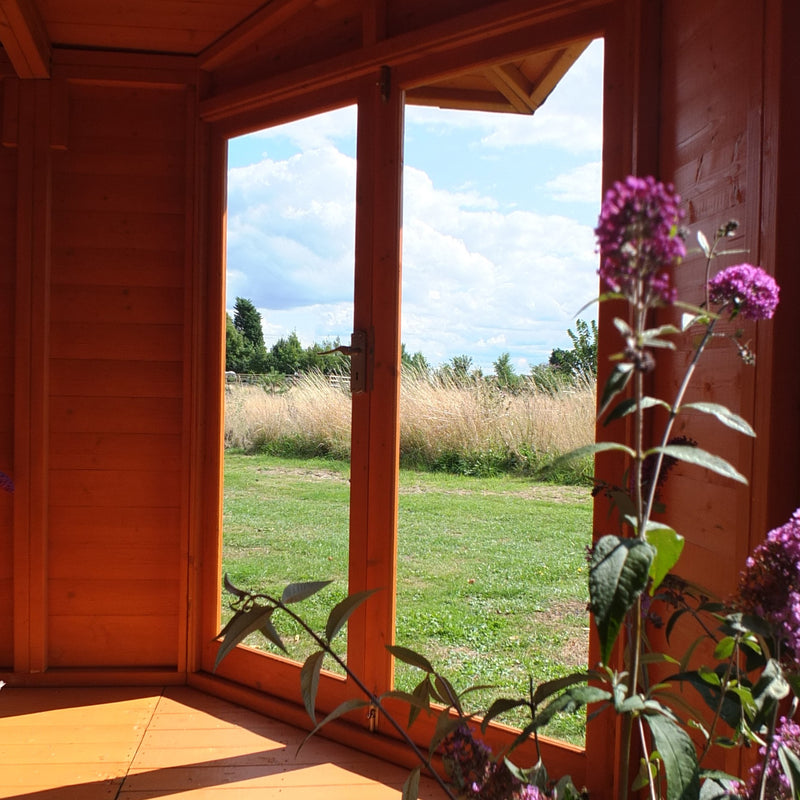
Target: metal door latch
[{"x": 357, "y": 351}]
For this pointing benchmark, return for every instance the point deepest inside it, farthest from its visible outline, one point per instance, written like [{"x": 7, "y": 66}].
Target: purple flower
[
  {"x": 747, "y": 289},
  {"x": 637, "y": 233},
  {"x": 787, "y": 735},
  {"x": 769, "y": 586},
  {"x": 476, "y": 774},
  {"x": 6, "y": 482}
]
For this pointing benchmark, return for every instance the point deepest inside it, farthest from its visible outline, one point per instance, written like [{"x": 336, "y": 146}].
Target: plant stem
[{"x": 370, "y": 695}]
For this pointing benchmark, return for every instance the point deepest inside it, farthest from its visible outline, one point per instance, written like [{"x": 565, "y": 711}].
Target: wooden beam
[
  {"x": 461, "y": 99},
  {"x": 507, "y": 25},
  {"x": 513, "y": 85},
  {"x": 270, "y": 16},
  {"x": 555, "y": 72},
  {"x": 24, "y": 37}
]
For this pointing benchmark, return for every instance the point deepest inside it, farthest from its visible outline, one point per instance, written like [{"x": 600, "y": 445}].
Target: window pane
[
  {"x": 498, "y": 258},
  {"x": 290, "y": 240}
]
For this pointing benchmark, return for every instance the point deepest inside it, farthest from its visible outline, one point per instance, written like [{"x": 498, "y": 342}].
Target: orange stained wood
[{"x": 137, "y": 743}]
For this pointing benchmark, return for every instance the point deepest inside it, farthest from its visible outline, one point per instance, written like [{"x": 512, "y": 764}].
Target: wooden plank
[
  {"x": 97, "y": 377},
  {"x": 117, "y": 191},
  {"x": 106, "y": 342},
  {"x": 129, "y": 114},
  {"x": 99, "y": 640},
  {"x": 151, "y": 415},
  {"x": 131, "y": 597},
  {"x": 143, "y": 527},
  {"x": 102, "y": 488},
  {"x": 375, "y": 441},
  {"x": 24, "y": 38},
  {"x": 123, "y": 305},
  {"x": 265, "y": 20},
  {"x": 31, "y": 378},
  {"x": 108, "y": 156},
  {"x": 120, "y": 266},
  {"x": 144, "y": 231}
]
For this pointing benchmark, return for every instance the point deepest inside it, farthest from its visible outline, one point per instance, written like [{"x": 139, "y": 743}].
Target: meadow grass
[
  {"x": 470, "y": 427},
  {"x": 491, "y": 577}
]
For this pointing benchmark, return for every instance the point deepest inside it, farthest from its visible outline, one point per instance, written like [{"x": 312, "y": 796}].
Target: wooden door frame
[{"x": 629, "y": 28}]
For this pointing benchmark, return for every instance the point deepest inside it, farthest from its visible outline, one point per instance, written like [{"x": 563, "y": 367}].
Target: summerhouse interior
[{"x": 115, "y": 120}]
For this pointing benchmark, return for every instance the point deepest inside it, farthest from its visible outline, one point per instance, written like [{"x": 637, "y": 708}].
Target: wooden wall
[
  {"x": 710, "y": 148},
  {"x": 8, "y": 201},
  {"x": 106, "y": 382}
]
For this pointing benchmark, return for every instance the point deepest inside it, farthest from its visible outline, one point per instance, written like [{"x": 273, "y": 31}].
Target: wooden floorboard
[{"x": 143, "y": 743}]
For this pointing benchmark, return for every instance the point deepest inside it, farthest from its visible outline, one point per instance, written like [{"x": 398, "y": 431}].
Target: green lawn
[{"x": 491, "y": 571}]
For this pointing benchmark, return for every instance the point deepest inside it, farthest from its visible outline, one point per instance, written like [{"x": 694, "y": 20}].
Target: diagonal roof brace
[{"x": 24, "y": 37}]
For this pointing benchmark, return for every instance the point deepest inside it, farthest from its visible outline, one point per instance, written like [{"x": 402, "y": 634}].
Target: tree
[
  {"x": 244, "y": 339},
  {"x": 247, "y": 320},
  {"x": 507, "y": 378},
  {"x": 581, "y": 360},
  {"x": 287, "y": 355},
  {"x": 236, "y": 350},
  {"x": 415, "y": 362}
]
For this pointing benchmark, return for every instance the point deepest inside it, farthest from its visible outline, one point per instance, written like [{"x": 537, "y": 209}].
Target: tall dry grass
[{"x": 471, "y": 427}]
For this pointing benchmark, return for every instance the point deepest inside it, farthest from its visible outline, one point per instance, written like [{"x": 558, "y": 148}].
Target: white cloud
[
  {"x": 580, "y": 185},
  {"x": 480, "y": 277}
]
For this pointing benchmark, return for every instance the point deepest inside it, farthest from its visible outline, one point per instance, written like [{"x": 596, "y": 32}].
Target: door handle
[{"x": 357, "y": 351}]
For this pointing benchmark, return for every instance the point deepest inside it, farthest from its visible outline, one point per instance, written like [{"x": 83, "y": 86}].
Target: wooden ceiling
[{"x": 233, "y": 34}]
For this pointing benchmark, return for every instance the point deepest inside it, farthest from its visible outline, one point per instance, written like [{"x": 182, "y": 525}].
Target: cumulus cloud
[
  {"x": 580, "y": 185},
  {"x": 480, "y": 276}
]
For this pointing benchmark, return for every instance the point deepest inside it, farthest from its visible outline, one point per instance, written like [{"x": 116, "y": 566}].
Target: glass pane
[
  {"x": 498, "y": 258},
  {"x": 290, "y": 241}
]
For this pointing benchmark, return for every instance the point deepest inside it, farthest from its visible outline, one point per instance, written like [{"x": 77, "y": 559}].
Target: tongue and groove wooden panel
[
  {"x": 116, "y": 406},
  {"x": 8, "y": 192}
]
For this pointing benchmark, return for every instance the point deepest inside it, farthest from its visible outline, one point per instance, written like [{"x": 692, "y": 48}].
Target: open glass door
[{"x": 289, "y": 302}]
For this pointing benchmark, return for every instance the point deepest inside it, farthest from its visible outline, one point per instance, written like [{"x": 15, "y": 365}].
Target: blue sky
[{"x": 498, "y": 250}]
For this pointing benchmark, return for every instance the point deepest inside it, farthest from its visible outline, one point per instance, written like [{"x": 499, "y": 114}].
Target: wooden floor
[{"x": 140, "y": 743}]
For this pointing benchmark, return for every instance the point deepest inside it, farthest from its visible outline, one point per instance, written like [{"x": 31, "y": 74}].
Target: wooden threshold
[{"x": 136, "y": 743}]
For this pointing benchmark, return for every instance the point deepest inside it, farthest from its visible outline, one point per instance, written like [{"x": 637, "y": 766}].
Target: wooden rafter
[
  {"x": 272, "y": 14},
  {"x": 513, "y": 85},
  {"x": 24, "y": 37},
  {"x": 555, "y": 72}
]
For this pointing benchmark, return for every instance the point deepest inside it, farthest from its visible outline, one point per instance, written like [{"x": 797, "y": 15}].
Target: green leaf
[
  {"x": 617, "y": 381},
  {"x": 309, "y": 681},
  {"x": 622, "y": 326},
  {"x": 595, "y": 447},
  {"x": 410, "y": 657},
  {"x": 678, "y": 754},
  {"x": 242, "y": 625},
  {"x": 411, "y": 786},
  {"x": 725, "y": 648},
  {"x": 500, "y": 706},
  {"x": 272, "y": 635},
  {"x": 341, "y": 612},
  {"x": 231, "y": 589},
  {"x": 573, "y": 698},
  {"x": 346, "y": 707},
  {"x": 694, "y": 455},
  {"x": 445, "y": 692},
  {"x": 295, "y": 592},
  {"x": 724, "y": 415},
  {"x": 628, "y": 406},
  {"x": 445, "y": 725},
  {"x": 704, "y": 245},
  {"x": 790, "y": 764},
  {"x": 668, "y": 547},
  {"x": 718, "y": 785},
  {"x": 617, "y": 576},
  {"x": 548, "y": 688}
]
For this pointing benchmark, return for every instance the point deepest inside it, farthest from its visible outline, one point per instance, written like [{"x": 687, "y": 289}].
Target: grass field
[{"x": 491, "y": 571}]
